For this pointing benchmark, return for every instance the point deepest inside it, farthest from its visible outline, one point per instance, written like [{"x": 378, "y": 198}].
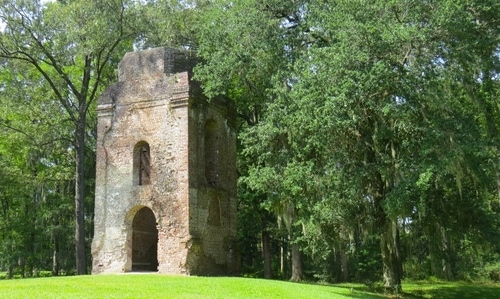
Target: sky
[{"x": 2, "y": 24}]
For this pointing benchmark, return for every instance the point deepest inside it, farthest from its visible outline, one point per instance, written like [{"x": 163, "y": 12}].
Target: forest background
[{"x": 368, "y": 137}]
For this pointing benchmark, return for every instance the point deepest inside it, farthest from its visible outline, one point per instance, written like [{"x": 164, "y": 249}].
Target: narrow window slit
[{"x": 142, "y": 164}]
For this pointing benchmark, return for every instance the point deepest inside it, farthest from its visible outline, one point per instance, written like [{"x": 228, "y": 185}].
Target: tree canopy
[
  {"x": 69, "y": 47},
  {"x": 373, "y": 117}
]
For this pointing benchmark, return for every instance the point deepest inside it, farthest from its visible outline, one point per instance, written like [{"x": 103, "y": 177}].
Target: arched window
[
  {"x": 142, "y": 166},
  {"x": 211, "y": 153}
]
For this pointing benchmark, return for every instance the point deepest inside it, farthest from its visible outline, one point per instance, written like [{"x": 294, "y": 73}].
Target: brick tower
[{"x": 166, "y": 172}]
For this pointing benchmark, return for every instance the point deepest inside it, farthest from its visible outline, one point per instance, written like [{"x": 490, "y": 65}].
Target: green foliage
[
  {"x": 493, "y": 272},
  {"x": 363, "y": 116},
  {"x": 56, "y": 59}
]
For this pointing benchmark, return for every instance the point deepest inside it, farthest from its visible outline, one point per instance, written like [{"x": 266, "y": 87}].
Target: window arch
[{"x": 142, "y": 164}]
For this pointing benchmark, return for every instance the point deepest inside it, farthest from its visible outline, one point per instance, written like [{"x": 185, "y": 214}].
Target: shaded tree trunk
[
  {"x": 283, "y": 255},
  {"x": 266, "y": 253},
  {"x": 31, "y": 254},
  {"x": 445, "y": 261},
  {"x": 344, "y": 264},
  {"x": 21, "y": 261},
  {"x": 391, "y": 259},
  {"x": 10, "y": 271},
  {"x": 266, "y": 220},
  {"x": 392, "y": 269},
  {"x": 297, "y": 269},
  {"x": 290, "y": 213},
  {"x": 81, "y": 265},
  {"x": 55, "y": 257}
]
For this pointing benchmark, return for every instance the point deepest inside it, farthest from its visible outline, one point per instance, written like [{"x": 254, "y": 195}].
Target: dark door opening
[{"x": 144, "y": 241}]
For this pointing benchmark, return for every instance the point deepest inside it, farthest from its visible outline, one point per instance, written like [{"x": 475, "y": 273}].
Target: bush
[
  {"x": 494, "y": 272},
  {"x": 43, "y": 274},
  {"x": 495, "y": 275},
  {"x": 490, "y": 272}
]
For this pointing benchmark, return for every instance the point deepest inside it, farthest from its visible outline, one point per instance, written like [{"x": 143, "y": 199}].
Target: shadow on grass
[
  {"x": 452, "y": 291},
  {"x": 360, "y": 291},
  {"x": 419, "y": 290},
  {"x": 428, "y": 291}
]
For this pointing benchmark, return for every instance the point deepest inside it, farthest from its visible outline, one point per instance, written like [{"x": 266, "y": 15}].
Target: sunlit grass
[
  {"x": 166, "y": 286},
  {"x": 169, "y": 286}
]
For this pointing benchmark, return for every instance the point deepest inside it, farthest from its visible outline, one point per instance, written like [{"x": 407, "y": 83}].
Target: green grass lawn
[{"x": 168, "y": 286}]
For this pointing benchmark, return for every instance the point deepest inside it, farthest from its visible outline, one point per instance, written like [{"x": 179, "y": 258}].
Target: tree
[
  {"x": 34, "y": 148},
  {"x": 378, "y": 99},
  {"x": 72, "y": 45},
  {"x": 171, "y": 23},
  {"x": 243, "y": 53},
  {"x": 361, "y": 104}
]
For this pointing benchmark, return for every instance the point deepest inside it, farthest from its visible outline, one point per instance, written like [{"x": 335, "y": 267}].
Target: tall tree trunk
[
  {"x": 283, "y": 258},
  {"x": 344, "y": 264},
  {"x": 391, "y": 260},
  {"x": 31, "y": 254},
  {"x": 22, "y": 265},
  {"x": 55, "y": 257},
  {"x": 290, "y": 213},
  {"x": 266, "y": 253},
  {"x": 392, "y": 269},
  {"x": 81, "y": 267},
  {"x": 445, "y": 261},
  {"x": 10, "y": 271},
  {"x": 29, "y": 245},
  {"x": 297, "y": 270}
]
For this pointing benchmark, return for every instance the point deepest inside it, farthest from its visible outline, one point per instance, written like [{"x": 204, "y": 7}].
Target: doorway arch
[{"x": 144, "y": 241}]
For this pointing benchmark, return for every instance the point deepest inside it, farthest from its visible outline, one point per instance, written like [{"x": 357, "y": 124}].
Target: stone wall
[{"x": 155, "y": 119}]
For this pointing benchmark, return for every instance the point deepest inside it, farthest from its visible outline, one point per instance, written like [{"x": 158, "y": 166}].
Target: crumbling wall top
[
  {"x": 144, "y": 76},
  {"x": 153, "y": 64}
]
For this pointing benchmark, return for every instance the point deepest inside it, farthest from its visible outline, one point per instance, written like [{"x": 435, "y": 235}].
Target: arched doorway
[{"x": 144, "y": 241}]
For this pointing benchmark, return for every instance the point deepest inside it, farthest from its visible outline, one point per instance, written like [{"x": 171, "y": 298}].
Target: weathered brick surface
[{"x": 192, "y": 190}]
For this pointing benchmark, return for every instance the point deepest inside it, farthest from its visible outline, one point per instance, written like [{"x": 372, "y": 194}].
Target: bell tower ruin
[{"x": 166, "y": 172}]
